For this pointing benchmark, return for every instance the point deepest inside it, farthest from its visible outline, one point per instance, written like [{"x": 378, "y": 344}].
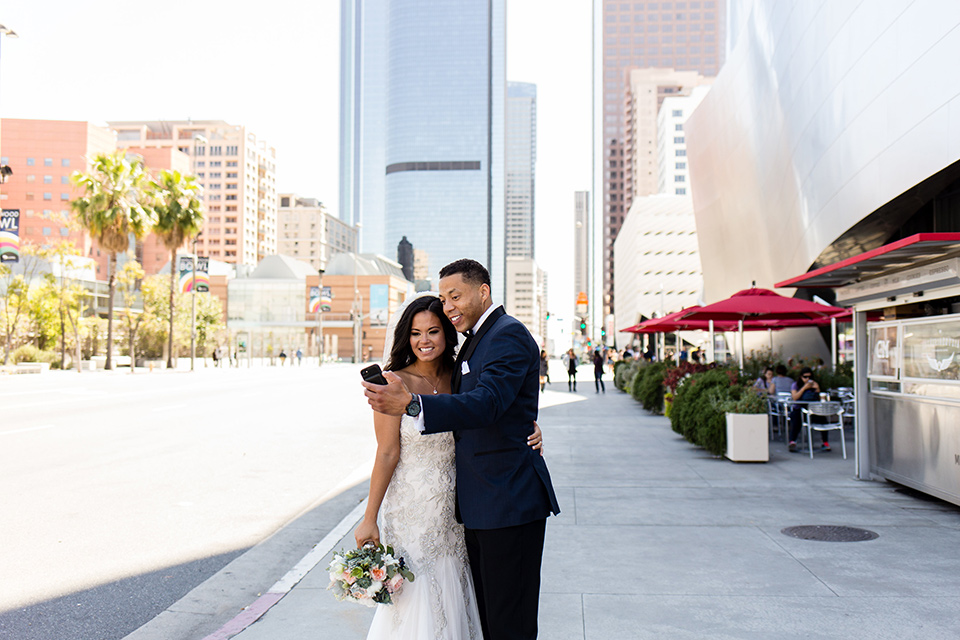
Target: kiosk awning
[{"x": 896, "y": 255}]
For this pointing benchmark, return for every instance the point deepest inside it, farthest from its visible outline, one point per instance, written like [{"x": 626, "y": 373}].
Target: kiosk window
[
  {"x": 931, "y": 350},
  {"x": 884, "y": 354}
]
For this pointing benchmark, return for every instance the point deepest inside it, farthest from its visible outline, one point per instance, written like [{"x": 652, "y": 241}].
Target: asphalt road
[{"x": 119, "y": 493}]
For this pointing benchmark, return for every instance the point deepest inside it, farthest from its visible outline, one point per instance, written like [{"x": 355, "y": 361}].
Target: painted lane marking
[{"x": 26, "y": 429}]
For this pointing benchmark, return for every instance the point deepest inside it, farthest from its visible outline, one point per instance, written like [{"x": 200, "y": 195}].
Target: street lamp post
[
  {"x": 320, "y": 323},
  {"x": 357, "y": 302},
  {"x": 10, "y": 33},
  {"x": 193, "y": 304}
]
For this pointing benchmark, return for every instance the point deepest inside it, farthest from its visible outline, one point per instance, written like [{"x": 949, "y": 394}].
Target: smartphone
[{"x": 373, "y": 374}]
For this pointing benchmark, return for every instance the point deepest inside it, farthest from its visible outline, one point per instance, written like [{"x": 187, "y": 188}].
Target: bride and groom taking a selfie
[{"x": 459, "y": 486}]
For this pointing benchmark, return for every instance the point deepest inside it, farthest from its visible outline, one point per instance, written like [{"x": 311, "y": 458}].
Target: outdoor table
[{"x": 788, "y": 403}]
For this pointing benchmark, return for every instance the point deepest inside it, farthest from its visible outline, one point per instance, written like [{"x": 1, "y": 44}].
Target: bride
[{"x": 411, "y": 502}]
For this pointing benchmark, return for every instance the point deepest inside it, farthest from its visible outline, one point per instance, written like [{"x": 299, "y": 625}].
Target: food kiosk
[{"x": 907, "y": 364}]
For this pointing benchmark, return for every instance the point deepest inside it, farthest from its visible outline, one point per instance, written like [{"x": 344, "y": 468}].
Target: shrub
[
  {"x": 842, "y": 376},
  {"x": 744, "y": 399},
  {"x": 694, "y": 414},
  {"x": 711, "y": 428},
  {"x": 623, "y": 373},
  {"x": 634, "y": 388},
  {"x": 649, "y": 388},
  {"x": 686, "y": 368},
  {"x": 29, "y": 353},
  {"x": 25, "y": 353}
]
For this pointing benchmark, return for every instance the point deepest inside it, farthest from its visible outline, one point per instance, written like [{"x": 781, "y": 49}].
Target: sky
[{"x": 274, "y": 67}]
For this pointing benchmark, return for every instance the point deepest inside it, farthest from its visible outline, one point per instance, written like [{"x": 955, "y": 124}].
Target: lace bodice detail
[{"x": 417, "y": 519}]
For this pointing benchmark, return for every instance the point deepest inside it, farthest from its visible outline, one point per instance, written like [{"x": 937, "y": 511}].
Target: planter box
[
  {"x": 747, "y": 439},
  {"x": 32, "y": 367}
]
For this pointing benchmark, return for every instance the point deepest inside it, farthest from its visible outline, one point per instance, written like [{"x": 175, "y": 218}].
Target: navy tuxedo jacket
[{"x": 501, "y": 481}]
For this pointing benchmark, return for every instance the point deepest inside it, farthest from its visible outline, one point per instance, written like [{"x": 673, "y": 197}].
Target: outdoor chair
[
  {"x": 846, "y": 398},
  {"x": 774, "y": 416},
  {"x": 831, "y": 419},
  {"x": 782, "y": 402}
]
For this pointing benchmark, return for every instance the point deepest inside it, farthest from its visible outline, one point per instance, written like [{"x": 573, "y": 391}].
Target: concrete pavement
[{"x": 658, "y": 539}]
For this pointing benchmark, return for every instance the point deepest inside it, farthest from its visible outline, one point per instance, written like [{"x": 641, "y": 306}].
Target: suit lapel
[{"x": 470, "y": 347}]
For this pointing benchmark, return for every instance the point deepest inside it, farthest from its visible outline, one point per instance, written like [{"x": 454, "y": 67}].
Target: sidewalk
[{"x": 658, "y": 539}]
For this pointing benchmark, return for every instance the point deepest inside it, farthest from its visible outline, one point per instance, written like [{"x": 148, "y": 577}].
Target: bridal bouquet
[{"x": 370, "y": 575}]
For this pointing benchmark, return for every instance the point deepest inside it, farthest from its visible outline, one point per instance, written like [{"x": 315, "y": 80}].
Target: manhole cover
[{"x": 829, "y": 533}]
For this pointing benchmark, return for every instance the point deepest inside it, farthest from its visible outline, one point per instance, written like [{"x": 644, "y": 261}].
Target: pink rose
[
  {"x": 348, "y": 577},
  {"x": 378, "y": 573},
  {"x": 394, "y": 583}
]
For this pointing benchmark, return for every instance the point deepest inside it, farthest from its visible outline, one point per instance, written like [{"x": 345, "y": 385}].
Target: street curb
[{"x": 282, "y": 587}]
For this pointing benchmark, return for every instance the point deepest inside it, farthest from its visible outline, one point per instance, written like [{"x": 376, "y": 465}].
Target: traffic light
[{"x": 583, "y": 326}]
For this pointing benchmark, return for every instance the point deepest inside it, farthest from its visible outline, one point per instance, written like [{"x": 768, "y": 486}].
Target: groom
[{"x": 504, "y": 493}]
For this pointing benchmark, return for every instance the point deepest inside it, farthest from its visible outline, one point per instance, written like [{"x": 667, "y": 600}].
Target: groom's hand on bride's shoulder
[{"x": 389, "y": 399}]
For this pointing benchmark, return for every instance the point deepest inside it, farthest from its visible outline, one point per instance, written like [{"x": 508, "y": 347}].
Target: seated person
[
  {"x": 781, "y": 383},
  {"x": 805, "y": 389},
  {"x": 762, "y": 384}
]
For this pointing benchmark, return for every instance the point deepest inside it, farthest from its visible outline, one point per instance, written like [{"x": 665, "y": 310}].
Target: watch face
[{"x": 413, "y": 409}]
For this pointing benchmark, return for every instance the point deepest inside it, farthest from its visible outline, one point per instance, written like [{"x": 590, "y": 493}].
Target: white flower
[{"x": 374, "y": 588}]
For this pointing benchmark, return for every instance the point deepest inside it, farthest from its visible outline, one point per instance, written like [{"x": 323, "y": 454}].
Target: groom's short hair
[{"x": 470, "y": 270}]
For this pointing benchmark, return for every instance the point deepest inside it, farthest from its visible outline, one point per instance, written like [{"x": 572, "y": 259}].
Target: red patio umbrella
[
  {"x": 762, "y": 304},
  {"x": 765, "y": 306}
]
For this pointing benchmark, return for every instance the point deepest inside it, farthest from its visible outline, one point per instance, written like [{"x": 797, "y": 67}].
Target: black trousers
[{"x": 506, "y": 574}]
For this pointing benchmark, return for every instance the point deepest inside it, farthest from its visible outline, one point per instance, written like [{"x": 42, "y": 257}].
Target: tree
[
  {"x": 129, "y": 276},
  {"x": 179, "y": 218},
  {"x": 15, "y": 299},
  {"x": 153, "y": 332},
  {"x": 115, "y": 205},
  {"x": 66, "y": 255}
]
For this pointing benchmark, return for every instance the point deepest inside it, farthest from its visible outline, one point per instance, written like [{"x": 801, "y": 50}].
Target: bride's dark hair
[{"x": 401, "y": 355}]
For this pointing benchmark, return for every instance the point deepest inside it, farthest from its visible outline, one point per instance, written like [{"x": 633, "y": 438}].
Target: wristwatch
[{"x": 413, "y": 407}]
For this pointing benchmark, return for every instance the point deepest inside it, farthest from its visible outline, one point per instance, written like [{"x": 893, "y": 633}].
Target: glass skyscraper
[
  {"x": 422, "y": 127},
  {"x": 521, "y": 158}
]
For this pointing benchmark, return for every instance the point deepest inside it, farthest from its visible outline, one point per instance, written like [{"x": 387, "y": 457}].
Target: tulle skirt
[{"x": 439, "y": 604}]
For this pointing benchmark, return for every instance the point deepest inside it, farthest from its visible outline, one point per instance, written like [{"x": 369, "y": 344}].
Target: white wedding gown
[{"x": 417, "y": 519}]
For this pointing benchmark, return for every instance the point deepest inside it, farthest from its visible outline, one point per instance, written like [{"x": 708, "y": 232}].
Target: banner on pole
[
  {"x": 379, "y": 305},
  {"x": 320, "y": 299},
  {"x": 10, "y": 236},
  {"x": 186, "y": 274}
]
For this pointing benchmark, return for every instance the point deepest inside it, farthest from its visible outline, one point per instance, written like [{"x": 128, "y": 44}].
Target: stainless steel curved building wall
[
  {"x": 444, "y": 130},
  {"x": 824, "y": 112}
]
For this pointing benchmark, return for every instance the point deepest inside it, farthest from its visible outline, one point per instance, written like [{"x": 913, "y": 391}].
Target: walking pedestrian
[
  {"x": 299, "y": 356},
  {"x": 544, "y": 370},
  {"x": 283, "y": 357},
  {"x": 598, "y": 362},
  {"x": 570, "y": 359}
]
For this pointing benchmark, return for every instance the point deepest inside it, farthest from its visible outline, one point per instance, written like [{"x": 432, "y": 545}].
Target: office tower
[
  {"x": 308, "y": 232},
  {"x": 686, "y": 36},
  {"x": 238, "y": 175},
  {"x": 647, "y": 90},
  {"x": 521, "y": 158},
  {"x": 673, "y": 171},
  {"x": 582, "y": 249},
  {"x": 657, "y": 259},
  {"x": 405, "y": 258},
  {"x": 526, "y": 298},
  {"x": 43, "y": 154},
  {"x": 422, "y": 103},
  {"x": 421, "y": 265}
]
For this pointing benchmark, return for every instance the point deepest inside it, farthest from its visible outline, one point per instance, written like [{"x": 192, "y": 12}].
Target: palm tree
[
  {"x": 179, "y": 217},
  {"x": 115, "y": 205}
]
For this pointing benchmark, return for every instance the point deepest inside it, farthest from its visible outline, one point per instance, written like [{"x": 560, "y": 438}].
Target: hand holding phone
[{"x": 373, "y": 374}]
